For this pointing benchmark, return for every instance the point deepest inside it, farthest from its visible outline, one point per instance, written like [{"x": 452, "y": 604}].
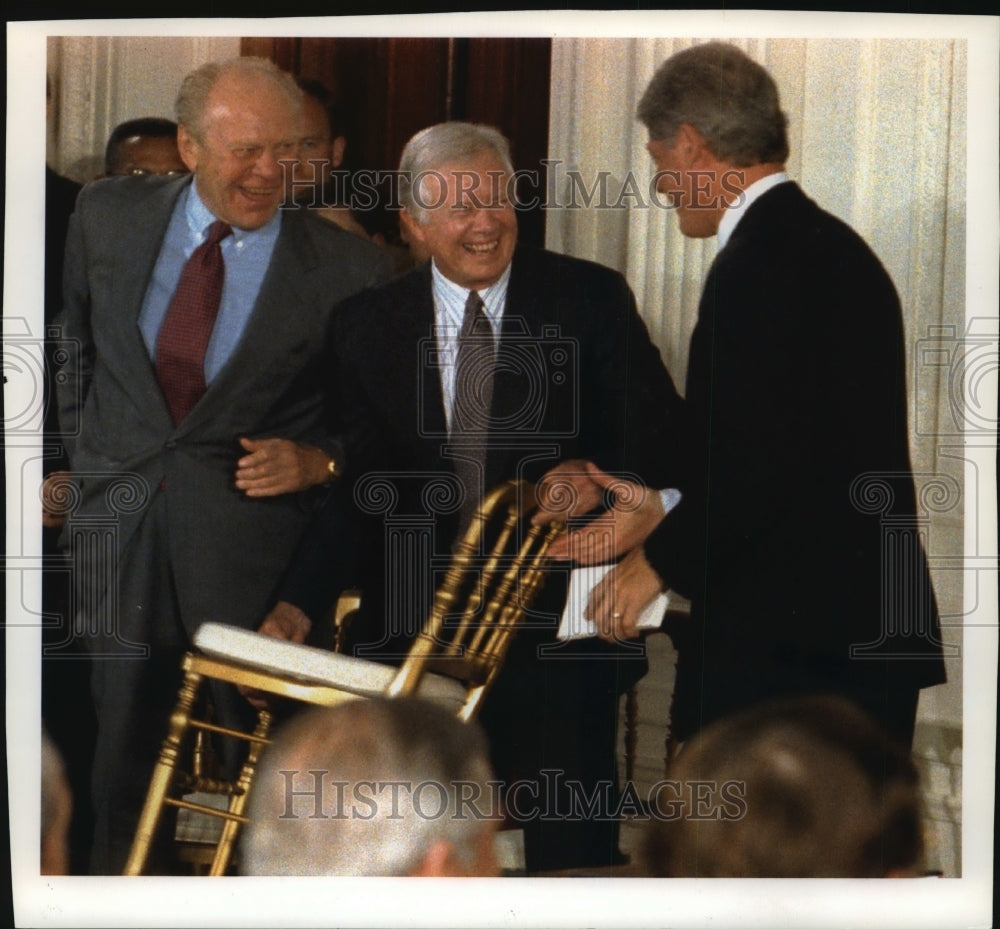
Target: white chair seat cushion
[{"x": 315, "y": 665}]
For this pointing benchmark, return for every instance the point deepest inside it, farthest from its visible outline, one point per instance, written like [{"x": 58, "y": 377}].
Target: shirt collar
[
  {"x": 734, "y": 212},
  {"x": 453, "y": 294},
  {"x": 200, "y": 217}
]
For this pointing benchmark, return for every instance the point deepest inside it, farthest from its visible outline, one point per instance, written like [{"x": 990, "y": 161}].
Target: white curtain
[
  {"x": 100, "y": 81},
  {"x": 877, "y": 132}
]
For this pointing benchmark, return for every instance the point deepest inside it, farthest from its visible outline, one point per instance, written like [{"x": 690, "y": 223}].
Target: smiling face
[
  {"x": 248, "y": 126},
  {"x": 471, "y": 226}
]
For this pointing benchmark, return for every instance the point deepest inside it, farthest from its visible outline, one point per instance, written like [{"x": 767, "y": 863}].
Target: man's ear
[
  {"x": 189, "y": 148},
  {"x": 410, "y": 228},
  {"x": 439, "y": 861},
  {"x": 692, "y": 146}
]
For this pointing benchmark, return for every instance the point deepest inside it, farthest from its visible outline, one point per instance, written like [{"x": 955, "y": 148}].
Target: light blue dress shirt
[{"x": 247, "y": 255}]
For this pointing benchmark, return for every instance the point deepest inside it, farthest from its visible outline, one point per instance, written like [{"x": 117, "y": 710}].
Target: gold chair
[{"x": 496, "y": 570}]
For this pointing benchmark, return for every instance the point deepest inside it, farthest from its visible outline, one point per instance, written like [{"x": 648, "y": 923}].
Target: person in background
[
  {"x": 65, "y": 667},
  {"x": 316, "y": 179},
  {"x": 319, "y": 180},
  {"x": 797, "y": 787},
  {"x": 373, "y": 788},
  {"x": 147, "y": 145}
]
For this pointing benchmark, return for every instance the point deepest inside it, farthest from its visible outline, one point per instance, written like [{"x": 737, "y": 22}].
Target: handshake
[{"x": 631, "y": 512}]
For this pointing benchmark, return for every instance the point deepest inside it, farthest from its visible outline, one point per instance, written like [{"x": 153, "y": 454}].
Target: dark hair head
[
  {"x": 325, "y": 97},
  {"x": 729, "y": 98},
  {"x": 809, "y": 787},
  {"x": 152, "y": 127}
]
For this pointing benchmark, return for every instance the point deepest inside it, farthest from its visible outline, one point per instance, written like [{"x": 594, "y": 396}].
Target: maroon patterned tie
[{"x": 187, "y": 327}]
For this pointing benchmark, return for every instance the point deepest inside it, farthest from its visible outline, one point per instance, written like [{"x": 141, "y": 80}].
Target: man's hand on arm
[
  {"x": 637, "y": 511},
  {"x": 617, "y": 602},
  {"x": 565, "y": 491},
  {"x": 281, "y": 466}
]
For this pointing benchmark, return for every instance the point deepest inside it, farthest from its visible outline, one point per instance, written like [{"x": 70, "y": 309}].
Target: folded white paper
[{"x": 582, "y": 581}]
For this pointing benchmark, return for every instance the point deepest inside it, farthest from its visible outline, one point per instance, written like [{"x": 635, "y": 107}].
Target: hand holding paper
[{"x": 614, "y": 602}]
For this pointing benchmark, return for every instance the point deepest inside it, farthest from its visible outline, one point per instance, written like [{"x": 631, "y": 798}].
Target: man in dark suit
[
  {"x": 797, "y": 537},
  {"x": 572, "y": 374},
  {"x": 70, "y": 722},
  {"x": 191, "y": 501}
]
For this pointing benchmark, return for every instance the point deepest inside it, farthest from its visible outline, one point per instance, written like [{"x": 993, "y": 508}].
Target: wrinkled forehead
[
  {"x": 251, "y": 101},
  {"x": 482, "y": 179}
]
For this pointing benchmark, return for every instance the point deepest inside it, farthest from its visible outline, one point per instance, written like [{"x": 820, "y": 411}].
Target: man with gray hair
[
  {"x": 200, "y": 313},
  {"x": 492, "y": 361},
  {"x": 374, "y": 788},
  {"x": 797, "y": 538}
]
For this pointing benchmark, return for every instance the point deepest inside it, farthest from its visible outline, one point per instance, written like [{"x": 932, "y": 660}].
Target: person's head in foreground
[
  {"x": 379, "y": 787},
  {"x": 798, "y": 787}
]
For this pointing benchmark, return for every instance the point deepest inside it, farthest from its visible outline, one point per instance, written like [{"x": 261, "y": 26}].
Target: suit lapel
[
  {"x": 414, "y": 317},
  {"x": 279, "y": 328},
  {"x": 128, "y": 292},
  {"x": 520, "y": 352}
]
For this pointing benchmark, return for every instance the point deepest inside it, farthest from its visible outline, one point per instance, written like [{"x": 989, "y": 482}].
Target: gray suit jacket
[{"x": 225, "y": 549}]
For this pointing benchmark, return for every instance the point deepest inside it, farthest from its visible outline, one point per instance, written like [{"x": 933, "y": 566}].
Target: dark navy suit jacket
[{"x": 797, "y": 539}]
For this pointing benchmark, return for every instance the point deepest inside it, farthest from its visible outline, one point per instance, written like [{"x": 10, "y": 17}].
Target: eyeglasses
[{"x": 143, "y": 172}]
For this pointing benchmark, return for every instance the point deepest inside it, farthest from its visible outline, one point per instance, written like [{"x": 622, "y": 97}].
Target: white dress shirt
[
  {"x": 449, "y": 313},
  {"x": 735, "y": 210}
]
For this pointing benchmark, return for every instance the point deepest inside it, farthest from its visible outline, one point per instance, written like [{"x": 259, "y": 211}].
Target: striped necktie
[{"x": 470, "y": 415}]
